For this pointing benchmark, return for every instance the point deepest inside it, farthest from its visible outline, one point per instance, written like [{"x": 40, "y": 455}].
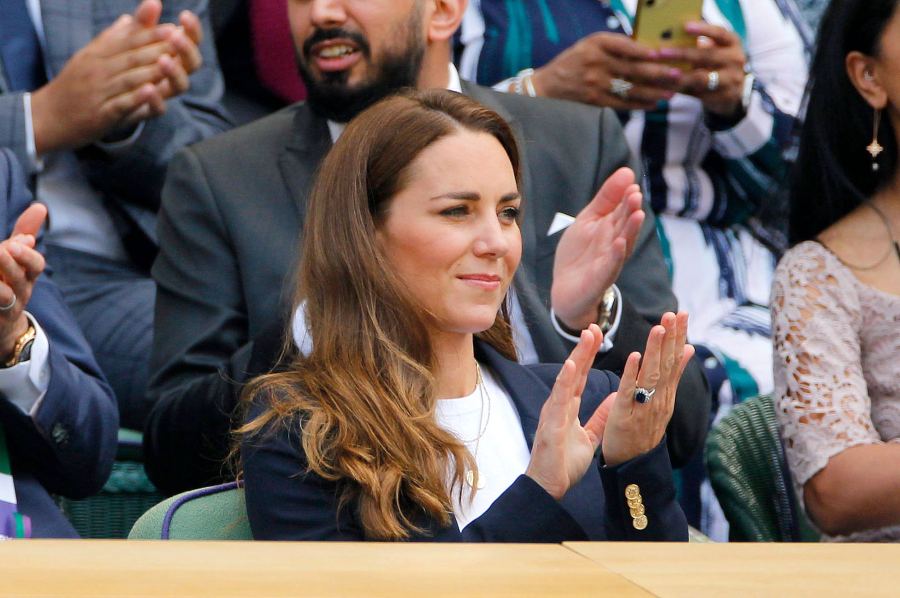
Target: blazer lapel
[
  {"x": 527, "y": 391},
  {"x": 68, "y": 27},
  {"x": 302, "y": 155}
]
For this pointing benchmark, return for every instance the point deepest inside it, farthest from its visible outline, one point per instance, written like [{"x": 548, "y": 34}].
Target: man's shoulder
[
  {"x": 544, "y": 112},
  {"x": 269, "y": 134}
]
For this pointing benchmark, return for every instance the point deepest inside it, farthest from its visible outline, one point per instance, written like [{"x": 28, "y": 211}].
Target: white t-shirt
[{"x": 502, "y": 453}]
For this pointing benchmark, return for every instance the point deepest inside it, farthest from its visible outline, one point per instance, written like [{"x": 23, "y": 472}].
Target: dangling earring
[{"x": 875, "y": 148}]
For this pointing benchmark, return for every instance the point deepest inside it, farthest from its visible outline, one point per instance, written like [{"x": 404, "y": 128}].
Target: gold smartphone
[{"x": 660, "y": 23}]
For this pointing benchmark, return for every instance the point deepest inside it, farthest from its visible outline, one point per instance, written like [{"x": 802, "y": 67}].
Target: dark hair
[
  {"x": 833, "y": 173},
  {"x": 365, "y": 392}
]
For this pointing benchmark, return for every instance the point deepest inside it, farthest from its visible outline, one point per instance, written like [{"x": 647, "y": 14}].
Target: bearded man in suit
[{"x": 234, "y": 206}]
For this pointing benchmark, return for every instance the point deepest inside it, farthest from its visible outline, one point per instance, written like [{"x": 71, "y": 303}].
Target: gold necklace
[
  {"x": 893, "y": 242},
  {"x": 480, "y": 483}
]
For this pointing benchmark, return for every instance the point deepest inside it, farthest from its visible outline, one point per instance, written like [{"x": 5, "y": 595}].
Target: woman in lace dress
[{"x": 836, "y": 297}]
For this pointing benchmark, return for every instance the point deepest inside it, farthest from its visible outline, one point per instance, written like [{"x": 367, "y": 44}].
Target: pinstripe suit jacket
[{"x": 132, "y": 179}]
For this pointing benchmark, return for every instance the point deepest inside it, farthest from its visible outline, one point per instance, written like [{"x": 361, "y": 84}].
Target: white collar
[{"x": 453, "y": 84}]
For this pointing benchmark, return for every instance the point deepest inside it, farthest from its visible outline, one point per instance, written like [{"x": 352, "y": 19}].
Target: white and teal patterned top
[{"x": 694, "y": 166}]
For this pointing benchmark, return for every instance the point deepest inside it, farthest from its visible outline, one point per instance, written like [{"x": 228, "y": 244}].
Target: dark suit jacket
[
  {"x": 69, "y": 447},
  {"x": 233, "y": 209},
  {"x": 130, "y": 179},
  {"x": 284, "y": 502}
]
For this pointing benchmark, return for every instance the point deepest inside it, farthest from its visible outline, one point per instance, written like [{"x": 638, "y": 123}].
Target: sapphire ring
[{"x": 643, "y": 395}]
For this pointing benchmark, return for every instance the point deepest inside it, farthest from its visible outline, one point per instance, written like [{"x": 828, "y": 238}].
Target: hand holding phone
[
  {"x": 661, "y": 24},
  {"x": 589, "y": 71}
]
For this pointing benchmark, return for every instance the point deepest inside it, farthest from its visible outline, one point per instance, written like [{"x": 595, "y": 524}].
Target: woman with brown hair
[{"x": 409, "y": 418}]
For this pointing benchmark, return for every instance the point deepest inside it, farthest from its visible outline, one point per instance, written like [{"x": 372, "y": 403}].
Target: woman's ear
[
  {"x": 445, "y": 19},
  {"x": 864, "y": 73}
]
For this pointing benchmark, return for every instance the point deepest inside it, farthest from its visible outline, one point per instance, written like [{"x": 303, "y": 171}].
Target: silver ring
[
  {"x": 643, "y": 395},
  {"x": 712, "y": 80},
  {"x": 620, "y": 88},
  {"x": 11, "y": 305}
]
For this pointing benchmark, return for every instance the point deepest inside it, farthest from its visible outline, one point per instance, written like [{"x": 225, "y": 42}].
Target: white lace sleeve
[{"x": 821, "y": 399}]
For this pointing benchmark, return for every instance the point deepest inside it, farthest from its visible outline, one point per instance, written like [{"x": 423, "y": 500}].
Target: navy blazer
[
  {"x": 69, "y": 447},
  {"x": 284, "y": 502}
]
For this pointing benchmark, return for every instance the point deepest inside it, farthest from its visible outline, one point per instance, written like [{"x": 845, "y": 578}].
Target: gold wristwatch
[
  {"x": 22, "y": 349},
  {"x": 607, "y": 309}
]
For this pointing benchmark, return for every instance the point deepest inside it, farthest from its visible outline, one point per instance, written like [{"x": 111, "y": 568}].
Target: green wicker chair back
[
  {"x": 127, "y": 495},
  {"x": 749, "y": 475},
  {"x": 214, "y": 513}
]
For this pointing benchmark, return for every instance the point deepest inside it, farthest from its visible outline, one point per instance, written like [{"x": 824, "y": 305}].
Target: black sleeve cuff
[{"x": 525, "y": 512}]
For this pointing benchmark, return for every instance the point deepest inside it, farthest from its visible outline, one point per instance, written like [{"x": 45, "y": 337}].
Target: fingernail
[
  {"x": 675, "y": 74},
  {"x": 692, "y": 27},
  {"x": 15, "y": 249},
  {"x": 669, "y": 53}
]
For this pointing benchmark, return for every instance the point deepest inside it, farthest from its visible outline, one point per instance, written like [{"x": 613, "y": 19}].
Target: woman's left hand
[
  {"x": 634, "y": 428},
  {"x": 717, "y": 74}
]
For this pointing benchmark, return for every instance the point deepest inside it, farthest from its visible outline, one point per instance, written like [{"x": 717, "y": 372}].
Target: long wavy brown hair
[{"x": 365, "y": 395}]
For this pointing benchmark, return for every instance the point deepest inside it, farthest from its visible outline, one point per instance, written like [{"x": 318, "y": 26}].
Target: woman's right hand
[
  {"x": 562, "y": 448},
  {"x": 584, "y": 73}
]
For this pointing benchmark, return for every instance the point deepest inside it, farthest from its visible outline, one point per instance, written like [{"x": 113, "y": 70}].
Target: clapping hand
[
  {"x": 593, "y": 249},
  {"x": 176, "y": 67},
  {"x": 633, "y": 428},
  {"x": 20, "y": 266},
  {"x": 123, "y": 76},
  {"x": 563, "y": 448}
]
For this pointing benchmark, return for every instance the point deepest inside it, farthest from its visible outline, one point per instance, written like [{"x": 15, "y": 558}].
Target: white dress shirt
[{"x": 487, "y": 422}]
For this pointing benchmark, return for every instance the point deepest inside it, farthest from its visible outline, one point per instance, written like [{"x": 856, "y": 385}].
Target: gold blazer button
[
  {"x": 632, "y": 491},
  {"x": 640, "y": 523}
]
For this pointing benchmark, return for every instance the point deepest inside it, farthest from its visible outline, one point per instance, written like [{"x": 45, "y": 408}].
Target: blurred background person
[
  {"x": 94, "y": 102},
  {"x": 58, "y": 419},
  {"x": 836, "y": 297},
  {"x": 256, "y": 55}
]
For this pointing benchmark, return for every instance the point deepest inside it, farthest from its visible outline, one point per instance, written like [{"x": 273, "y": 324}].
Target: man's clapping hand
[
  {"x": 123, "y": 76},
  {"x": 20, "y": 266},
  {"x": 593, "y": 250}
]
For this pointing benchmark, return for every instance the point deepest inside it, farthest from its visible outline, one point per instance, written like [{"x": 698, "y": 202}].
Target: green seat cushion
[{"x": 214, "y": 513}]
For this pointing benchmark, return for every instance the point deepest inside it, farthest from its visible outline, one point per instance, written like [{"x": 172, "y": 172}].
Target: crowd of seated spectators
[{"x": 327, "y": 238}]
